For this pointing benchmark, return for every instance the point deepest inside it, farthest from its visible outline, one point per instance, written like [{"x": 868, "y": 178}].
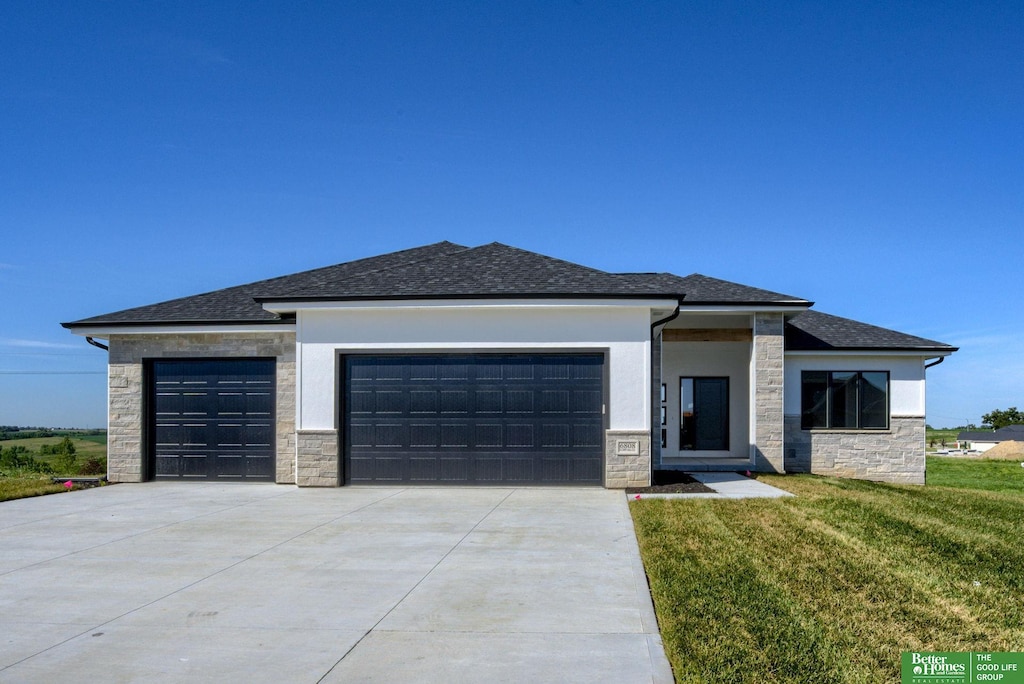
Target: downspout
[
  {"x": 97, "y": 344},
  {"x": 934, "y": 363},
  {"x": 655, "y": 422}
]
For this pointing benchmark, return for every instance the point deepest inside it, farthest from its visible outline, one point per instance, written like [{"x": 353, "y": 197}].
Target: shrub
[
  {"x": 66, "y": 457},
  {"x": 93, "y": 467}
]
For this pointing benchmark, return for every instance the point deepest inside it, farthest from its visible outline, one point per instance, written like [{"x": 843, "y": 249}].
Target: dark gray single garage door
[
  {"x": 474, "y": 419},
  {"x": 212, "y": 419}
]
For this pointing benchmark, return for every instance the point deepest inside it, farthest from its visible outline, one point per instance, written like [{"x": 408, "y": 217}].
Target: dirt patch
[
  {"x": 1010, "y": 451},
  {"x": 672, "y": 482}
]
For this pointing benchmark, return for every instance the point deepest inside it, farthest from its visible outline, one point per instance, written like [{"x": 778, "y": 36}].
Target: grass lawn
[
  {"x": 833, "y": 584},
  {"x": 23, "y": 486},
  {"x": 992, "y": 475}
]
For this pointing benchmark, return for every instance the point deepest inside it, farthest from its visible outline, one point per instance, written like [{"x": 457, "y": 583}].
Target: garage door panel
[
  {"x": 488, "y": 469},
  {"x": 454, "y": 401},
  {"x": 425, "y": 436},
  {"x": 489, "y": 401},
  {"x": 518, "y": 418},
  {"x": 423, "y": 468},
  {"x": 424, "y": 401},
  {"x": 586, "y": 468},
  {"x": 554, "y": 436},
  {"x": 212, "y": 419},
  {"x": 390, "y": 435},
  {"x": 556, "y": 469},
  {"x": 454, "y": 469},
  {"x": 230, "y": 465},
  {"x": 489, "y": 436},
  {"x": 193, "y": 465},
  {"x": 586, "y": 436},
  {"x": 518, "y": 469}
]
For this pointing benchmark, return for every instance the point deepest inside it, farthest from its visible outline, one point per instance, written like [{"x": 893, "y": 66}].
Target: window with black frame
[
  {"x": 704, "y": 414},
  {"x": 844, "y": 400}
]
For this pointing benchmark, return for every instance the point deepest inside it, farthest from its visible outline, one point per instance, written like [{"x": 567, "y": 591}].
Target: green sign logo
[{"x": 961, "y": 668}]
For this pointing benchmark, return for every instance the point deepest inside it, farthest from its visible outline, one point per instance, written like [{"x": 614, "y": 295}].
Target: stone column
[
  {"x": 627, "y": 458},
  {"x": 317, "y": 458},
  {"x": 768, "y": 352}
]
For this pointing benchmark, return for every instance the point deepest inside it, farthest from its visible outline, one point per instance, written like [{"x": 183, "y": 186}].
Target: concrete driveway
[{"x": 251, "y": 582}]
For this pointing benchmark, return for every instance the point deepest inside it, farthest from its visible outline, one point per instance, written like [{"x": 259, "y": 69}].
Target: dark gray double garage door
[
  {"x": 474, "y": 419},
  {"x": 415, "y": 419}
]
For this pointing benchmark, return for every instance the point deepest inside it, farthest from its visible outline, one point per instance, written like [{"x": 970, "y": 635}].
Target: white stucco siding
[
  {"x": 906, "y": 378},
  {"x": 622, "y": 332}
]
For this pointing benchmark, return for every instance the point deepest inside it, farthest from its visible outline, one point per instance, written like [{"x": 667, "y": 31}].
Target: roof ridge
[{"x": 546, "y": 257}]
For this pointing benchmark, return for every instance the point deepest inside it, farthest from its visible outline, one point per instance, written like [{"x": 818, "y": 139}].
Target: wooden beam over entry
[{"x": 707, "y": 335}]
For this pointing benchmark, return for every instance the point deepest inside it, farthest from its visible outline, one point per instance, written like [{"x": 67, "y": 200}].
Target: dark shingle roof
[
  {"x": 448, "y": 270},
  {"x": 701, "y": 289},
  {"x": 440, "y": 270},
  {"x": 1009, "y": 433},
  {"x": 238, "y": 304},
  {"x": 493, "y": 270},
  {"x": 814, "y": 331}
]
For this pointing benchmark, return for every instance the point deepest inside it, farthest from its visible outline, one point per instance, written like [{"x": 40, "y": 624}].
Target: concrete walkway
[
  {"x": 269, "y": 583},
  {"x": 727, "y": 486}
]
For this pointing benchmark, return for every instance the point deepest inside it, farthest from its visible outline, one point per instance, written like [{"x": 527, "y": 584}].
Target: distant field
[
  {"x": 85, "y": 447},
  {"x": 99, "y": 439},
  {"x": 939, "y": 435}
]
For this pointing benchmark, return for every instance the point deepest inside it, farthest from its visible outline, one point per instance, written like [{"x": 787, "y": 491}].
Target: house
[
  {"x": 446, "y": 364},
  {"x": 983, "y": 440}
]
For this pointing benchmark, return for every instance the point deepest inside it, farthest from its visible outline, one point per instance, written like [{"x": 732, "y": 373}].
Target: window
[
  {"x": 848, "y": 400},
  {"x": 704, "y": 414},
  {"x": 664, "y": 418}
]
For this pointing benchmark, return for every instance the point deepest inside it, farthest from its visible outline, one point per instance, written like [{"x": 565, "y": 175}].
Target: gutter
[
  {"x": 934, "y": 363},
  {"x": 94, "y": 343},
  {"x": 672, "y": 317}
]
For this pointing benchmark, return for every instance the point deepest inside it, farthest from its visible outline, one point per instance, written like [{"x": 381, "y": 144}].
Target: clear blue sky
[{"x": 868, "y": 156}]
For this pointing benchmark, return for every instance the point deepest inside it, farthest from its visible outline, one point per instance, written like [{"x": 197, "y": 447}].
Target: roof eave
[
  {"x": 501, "y": 295},
  {"x": 943, "y": 350},
  {"x": 95, "y": 325}
]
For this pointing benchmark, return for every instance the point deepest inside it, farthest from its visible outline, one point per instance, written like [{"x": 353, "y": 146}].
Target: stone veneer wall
[
  {"x": 627, "y": 458},
  {"x": 126, "y": 390},
  {"x": 769, "y": 351},
  {"x": 317, "y": 458},
  {"x": 893, "y": 455}
]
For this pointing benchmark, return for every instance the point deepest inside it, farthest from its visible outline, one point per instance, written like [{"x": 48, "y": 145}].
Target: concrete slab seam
[
  {"x": 648, "y": 618},
  {"x": 130, "y": 536},
  {"x": 190, "y": 584},
  {"x": 418, "y": 583}
]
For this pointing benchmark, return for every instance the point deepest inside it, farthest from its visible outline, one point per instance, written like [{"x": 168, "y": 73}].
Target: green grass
[
  {"x": 970, "y": 473},
  {"x": 833, "y": 584},
  {"x": 20, "y": 487}
]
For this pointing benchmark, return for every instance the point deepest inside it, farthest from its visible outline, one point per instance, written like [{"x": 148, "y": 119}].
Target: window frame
[{"x": 831, "y": 386}]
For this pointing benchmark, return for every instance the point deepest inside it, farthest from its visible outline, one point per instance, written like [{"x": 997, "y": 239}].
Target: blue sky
[{"x": 868, "y": 156}]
